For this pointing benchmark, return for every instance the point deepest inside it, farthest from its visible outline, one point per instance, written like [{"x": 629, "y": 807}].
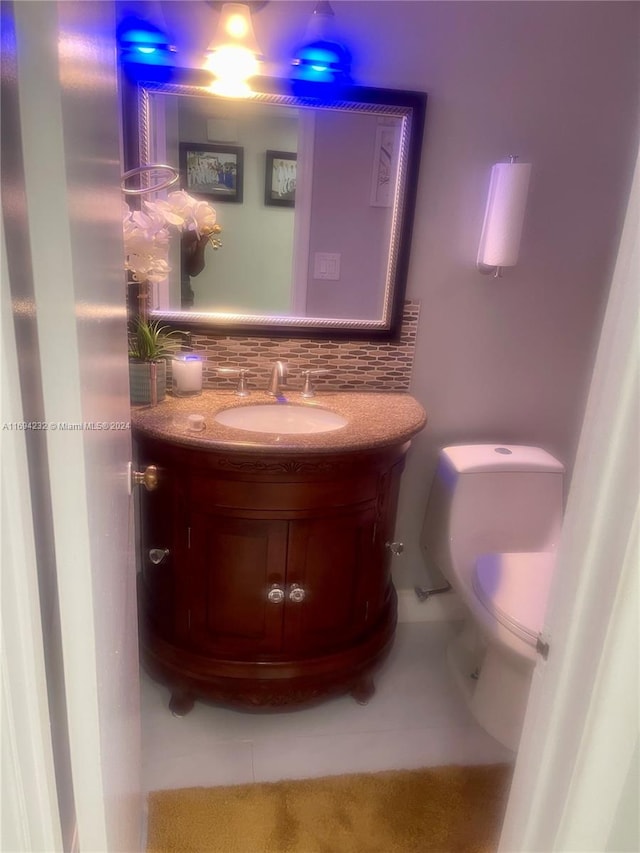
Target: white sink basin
[{"x": 280, "y": 418}]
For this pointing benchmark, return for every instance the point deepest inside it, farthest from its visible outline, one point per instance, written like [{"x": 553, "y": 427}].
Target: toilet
[{"x": 491, "y": 527}]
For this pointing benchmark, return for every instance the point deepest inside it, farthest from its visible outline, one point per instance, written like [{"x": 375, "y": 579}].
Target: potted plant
[{"x": 150, "y": 344}]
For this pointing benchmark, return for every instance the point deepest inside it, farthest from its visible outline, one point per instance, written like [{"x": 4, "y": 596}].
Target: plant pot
[{"x": 140, "y": 381}]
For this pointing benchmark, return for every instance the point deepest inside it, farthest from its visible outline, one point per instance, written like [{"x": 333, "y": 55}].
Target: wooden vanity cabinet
[{"x": 265, "y": 578}]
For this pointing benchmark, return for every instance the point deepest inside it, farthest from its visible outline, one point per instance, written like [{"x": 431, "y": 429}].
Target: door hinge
[{"x": 542, "y": 646}]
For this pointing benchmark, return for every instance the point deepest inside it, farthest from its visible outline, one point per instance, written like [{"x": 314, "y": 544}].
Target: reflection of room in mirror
[
  {"x": 251, "y": 273},
  {"x": 280, "y": 178},
  {"x": 212, "y": 171},
  {"x": 343, "y": 223},
  {"x": 207, "y": 172},
  {"x": 308, "y": 183},
  {"x": 385, "y": 163}
]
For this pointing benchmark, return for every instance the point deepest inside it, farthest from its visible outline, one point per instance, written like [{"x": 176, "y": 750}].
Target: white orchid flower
[
  {"x": 147, "y": 266},
  {"x": 164, "y": 212},
  {"x": 180, "y": 200},
  {"x": 203, "y": 218},
  {"x": 146, "y": 232}
]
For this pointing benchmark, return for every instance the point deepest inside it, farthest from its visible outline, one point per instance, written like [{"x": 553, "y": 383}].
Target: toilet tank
[{"x": 490, "y": 498}]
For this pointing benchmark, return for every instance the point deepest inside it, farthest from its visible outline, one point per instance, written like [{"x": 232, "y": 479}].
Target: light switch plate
[{"x": 326, "y": 266}]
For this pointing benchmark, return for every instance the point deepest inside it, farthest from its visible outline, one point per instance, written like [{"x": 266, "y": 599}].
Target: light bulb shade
[
  {"x": 235, "y": 27},
  {"x": 233, "y": 56},
  {"x": 322, "y": 58}
]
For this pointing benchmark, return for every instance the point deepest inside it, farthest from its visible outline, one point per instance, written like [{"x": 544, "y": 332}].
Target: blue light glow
[
  {"x": 323, "y": 62},
  {"x": 142, "y": 41}
]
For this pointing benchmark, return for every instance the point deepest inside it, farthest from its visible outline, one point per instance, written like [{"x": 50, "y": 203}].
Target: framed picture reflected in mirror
[
  {"x": 214, "y": 171},
  {"x": 280, "y": 179}
]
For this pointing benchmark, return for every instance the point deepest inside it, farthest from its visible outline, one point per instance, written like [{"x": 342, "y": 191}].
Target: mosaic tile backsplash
[{"x": 353, "y": 365}]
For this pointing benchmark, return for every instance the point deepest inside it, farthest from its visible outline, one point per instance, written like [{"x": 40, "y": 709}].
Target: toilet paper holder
[
  {"x": 424, "y": 593},
  {"x": 504, "y": 215}
]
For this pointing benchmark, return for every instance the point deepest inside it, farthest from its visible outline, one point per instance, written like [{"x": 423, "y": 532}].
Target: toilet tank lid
[{"x": 478, "y": 458}]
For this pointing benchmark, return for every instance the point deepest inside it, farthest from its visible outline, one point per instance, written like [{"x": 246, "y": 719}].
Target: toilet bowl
[{"x": 491, "y": 528}]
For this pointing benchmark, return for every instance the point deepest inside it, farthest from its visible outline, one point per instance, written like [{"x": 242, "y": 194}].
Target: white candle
[{"x": 187, "y": 375}]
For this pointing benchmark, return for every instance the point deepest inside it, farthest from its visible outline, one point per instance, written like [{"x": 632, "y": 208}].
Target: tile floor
[{"x": 415, "y": 719}]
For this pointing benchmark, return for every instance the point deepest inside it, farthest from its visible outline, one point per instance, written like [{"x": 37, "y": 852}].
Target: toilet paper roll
[{"x": 504, "y": 215}]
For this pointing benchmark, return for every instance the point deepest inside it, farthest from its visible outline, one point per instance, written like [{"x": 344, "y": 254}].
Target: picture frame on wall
[
  {"x": 280, "y": 178},
  {"x": 213, "y": 171}
]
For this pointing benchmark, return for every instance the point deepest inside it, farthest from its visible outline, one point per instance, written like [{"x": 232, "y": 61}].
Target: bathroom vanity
[{"x": 264, "y": 557}]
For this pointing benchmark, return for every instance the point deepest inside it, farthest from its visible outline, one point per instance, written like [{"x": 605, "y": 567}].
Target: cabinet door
[
  {"x": 330, "y": 578},
  {"x": 388, "y": 491},
  {"x": 236, "y": 566},
  {"x": 162, "y": 527}
]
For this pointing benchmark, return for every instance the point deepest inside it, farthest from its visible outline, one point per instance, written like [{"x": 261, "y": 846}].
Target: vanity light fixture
[
  {"x": 233, "y": 56},
  {"x": 322, "y": 58},
  {"x": 143, "y": 42},
  {"x": 503, "y": 218}
]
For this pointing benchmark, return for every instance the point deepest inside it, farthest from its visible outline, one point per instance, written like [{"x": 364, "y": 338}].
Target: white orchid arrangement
[{"x": 147, "y": 235}]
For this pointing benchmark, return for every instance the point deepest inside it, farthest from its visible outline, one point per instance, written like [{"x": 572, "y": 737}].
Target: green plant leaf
[{"x": 150, "y": 340}]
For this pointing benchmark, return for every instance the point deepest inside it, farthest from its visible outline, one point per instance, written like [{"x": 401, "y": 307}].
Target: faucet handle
[
  {"x": 241, "y": 373},
  {"x": 308, "y": 390}
]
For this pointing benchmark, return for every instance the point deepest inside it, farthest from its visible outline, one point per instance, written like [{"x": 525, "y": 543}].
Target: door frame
[
  {"x": 31, "y": 820},
  {"x": 577, "y": 766},
  {"x": 70, "y": 246}
]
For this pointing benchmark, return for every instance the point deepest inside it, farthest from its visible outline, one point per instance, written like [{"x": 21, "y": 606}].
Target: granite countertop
[{"x": 374, "y": 420}]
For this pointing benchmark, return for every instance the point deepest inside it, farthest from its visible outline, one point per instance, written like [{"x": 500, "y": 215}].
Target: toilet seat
[{"x": 514, "y": 588}]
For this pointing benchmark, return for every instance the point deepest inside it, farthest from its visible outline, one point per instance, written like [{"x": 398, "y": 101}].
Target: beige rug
[{"x": 443, "y": 809}]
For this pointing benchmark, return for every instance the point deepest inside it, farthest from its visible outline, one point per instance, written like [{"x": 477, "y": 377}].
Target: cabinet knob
[
  {"x": 157, "y": 555},
  {"x": 147, "y": 478},
  {"x": 396, "y": 548},
  {"x": 275, "y": 594},
  {"x": 296, "y": 593}
]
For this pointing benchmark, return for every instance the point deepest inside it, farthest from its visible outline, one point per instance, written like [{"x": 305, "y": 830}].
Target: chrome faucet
[{"x": 278, "y": 379}]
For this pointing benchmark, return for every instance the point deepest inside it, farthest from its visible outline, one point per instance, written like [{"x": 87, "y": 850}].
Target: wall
[
  {"x": 356, "y": 230},
  {"x": 555, "y": 83},
  {"x": 246, "y": 281}
]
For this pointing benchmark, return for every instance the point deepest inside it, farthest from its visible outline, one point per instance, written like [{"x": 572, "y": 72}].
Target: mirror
[{"x": 315, "y": 199}]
